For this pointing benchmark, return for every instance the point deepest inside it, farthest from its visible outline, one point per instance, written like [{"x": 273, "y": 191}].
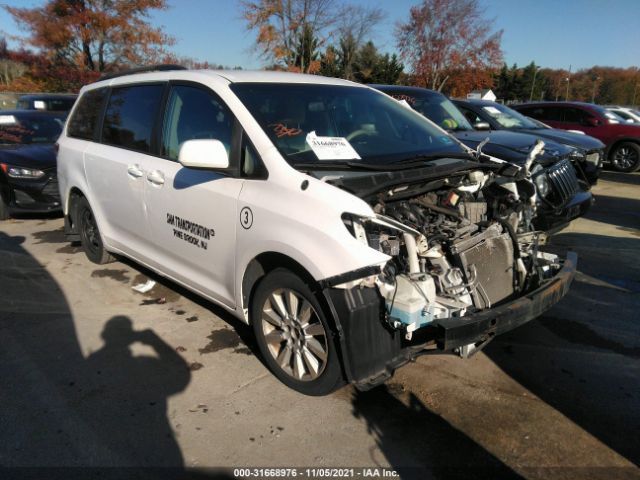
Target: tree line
[{"x": 446, "y": 45}]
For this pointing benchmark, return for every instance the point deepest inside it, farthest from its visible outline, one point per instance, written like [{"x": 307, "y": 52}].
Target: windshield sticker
[
  {"x": 189, "y": 231},
  {"x": 281, "y": 130},
  {"x": 331, "y": 148},
  {"x": 7, "y": 120},
  {"x": 406, "y": 98},
  {"x": 492, "y": 110},
  {"x": 39, "y": 105}
]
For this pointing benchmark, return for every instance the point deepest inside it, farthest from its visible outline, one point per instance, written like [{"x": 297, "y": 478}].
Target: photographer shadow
[
  {"x": 127, "y": 396},
  {"x": 67, "y": 415}
]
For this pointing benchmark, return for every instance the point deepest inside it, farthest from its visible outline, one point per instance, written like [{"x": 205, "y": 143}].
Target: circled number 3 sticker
[{"x": 246, "y": 218}]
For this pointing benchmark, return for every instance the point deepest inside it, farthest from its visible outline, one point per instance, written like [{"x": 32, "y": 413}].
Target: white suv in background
[
  {"x": 349, "y": 231},
  {"x": 629, "y": 115}
]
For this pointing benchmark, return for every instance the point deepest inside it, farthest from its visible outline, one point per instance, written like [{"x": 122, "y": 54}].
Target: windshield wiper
[
  {"x": 338, "y": 165},
  {"x": 433, "y": 156},
  {"x": 403, "y": 164}
]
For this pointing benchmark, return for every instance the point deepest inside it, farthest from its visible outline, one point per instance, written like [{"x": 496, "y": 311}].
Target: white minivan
[{"x": 352, "y": 233}]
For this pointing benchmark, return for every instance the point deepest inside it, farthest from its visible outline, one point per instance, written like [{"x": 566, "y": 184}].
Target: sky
[{"x": 553, "y": 33}]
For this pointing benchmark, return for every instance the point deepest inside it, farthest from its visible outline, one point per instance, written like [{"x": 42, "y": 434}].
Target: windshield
[
  {"x": 311, "y": 123},
  {"x": 508, "y": 118},
  {"x": 24, "y": 130},
  {"x": 437, "y": 108}
]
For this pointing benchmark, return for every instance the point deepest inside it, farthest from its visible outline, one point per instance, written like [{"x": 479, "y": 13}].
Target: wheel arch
[
  {"x": 71, "y": 202},
  {"x": 610, "y": 148},
  {"x": 261, "y": 265}
]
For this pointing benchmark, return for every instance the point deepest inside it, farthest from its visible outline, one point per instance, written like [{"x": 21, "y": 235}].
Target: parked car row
[
  {"x": 562, "y": 193},
  {"x": 352, "y": 230},
  {"x": 621, "y": 139}
]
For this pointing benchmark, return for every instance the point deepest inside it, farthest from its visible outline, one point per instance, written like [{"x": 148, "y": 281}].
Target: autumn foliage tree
[
  {"x": 94, "y": 35},
  {"x": 449, "y": 42},
  {"x": 284, "y": 27}
]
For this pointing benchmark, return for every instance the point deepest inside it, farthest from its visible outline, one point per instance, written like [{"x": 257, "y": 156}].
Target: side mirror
[
  {"x": 592, "y": 122},
  {"x": 482, "y": 126},
  {"x": 203, "y": 154}
]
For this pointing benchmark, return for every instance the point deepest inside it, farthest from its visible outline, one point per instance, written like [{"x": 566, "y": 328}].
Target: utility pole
[
  {"x": 566, "y": 97},
  {"x": 593, "y": 94},
  {"x": 533, "y": 83}
]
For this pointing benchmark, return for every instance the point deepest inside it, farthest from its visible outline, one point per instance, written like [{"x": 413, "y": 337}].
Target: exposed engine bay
[{"x": 458, "y": 245}]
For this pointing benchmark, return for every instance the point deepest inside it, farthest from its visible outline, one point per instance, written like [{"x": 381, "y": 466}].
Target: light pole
[
  {"x": 593, "y": 94},
  {"x": 533, "y": 83},
  {"x": 566, "y": 97}
]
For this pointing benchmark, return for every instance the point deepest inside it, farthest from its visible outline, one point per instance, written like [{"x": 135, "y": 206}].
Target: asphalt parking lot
[{"x": 97, "y": 374}]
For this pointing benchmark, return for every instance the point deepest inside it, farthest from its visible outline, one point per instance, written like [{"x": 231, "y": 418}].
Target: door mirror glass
[
  {"x": 482, "y": 126},
  {"x": 203, "y": 153}
]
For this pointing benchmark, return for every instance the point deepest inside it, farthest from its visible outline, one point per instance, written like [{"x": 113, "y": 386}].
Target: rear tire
[
  {"x": 625, "y": 157},
  {"x": 90, "y": 237},
  {"x": 293, "y": 335}
]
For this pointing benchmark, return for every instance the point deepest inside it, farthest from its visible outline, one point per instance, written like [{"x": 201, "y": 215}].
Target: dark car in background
[
  {"x": 622, "y": 139},
  {"x": 562, "y": 196},
  {"x": 28, "y": 179},
  {"x": 484, "y": 114},
  {"x": 50, "y": 102}
]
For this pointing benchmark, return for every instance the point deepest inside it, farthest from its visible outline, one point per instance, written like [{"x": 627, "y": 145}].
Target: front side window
[
  {"x": 378, "y": 129},
  {"x": 84, "y": 120},
  {"x": 575, "y": 115},
  {"x": 130, "y": 116},
  {"x": 193, "y": 113},
  {"x": 471, "y": 116}
]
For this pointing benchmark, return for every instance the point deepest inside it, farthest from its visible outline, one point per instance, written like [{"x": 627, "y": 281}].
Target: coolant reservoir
[{"x": 410, "y": 303}]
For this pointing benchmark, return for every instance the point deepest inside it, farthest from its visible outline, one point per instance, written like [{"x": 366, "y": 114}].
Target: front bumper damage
[{"x": 371, "y": 351}]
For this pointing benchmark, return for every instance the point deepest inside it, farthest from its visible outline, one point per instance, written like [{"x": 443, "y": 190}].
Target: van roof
[{"x": 231, "y": 76}]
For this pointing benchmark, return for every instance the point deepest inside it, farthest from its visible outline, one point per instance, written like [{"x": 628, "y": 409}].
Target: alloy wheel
[
  {"x": 625, "y": 158},
  {"x": 294, "y": 334}
]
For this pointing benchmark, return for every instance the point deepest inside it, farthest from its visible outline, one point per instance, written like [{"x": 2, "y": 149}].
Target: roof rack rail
[{"x": 164, "y": 67}]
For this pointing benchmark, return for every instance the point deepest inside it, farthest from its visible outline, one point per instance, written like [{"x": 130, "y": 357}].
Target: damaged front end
[{"x": 463, "y": 268}]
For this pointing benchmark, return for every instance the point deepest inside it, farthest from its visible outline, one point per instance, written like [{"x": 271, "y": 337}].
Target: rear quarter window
[
  {"x": 84, "y": 120},
  {"x": 130, "y": 116}
]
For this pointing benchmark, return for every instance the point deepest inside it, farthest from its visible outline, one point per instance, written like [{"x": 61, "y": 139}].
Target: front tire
[
  {"x": 4, "y": 209},
  {"x": 625, "y": 157},
  {"x": 293, "y": 334},
  {"x": 90, "y": 237}
]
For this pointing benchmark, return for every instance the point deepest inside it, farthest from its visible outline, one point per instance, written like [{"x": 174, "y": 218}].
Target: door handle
[
  {"x": 156, "y": 177},
  {"x": 135, "y": 171}
]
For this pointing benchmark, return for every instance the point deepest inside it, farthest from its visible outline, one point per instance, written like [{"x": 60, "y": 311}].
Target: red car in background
[{"x": 622, "y": 139}]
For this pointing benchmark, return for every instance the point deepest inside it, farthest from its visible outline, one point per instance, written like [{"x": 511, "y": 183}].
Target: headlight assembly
[
  {"x": 594, "y": 158},
  {"x": 577, "y": 154},
  {"x": 542, "y": 184},
  {"x": 21, "y": 172}
]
